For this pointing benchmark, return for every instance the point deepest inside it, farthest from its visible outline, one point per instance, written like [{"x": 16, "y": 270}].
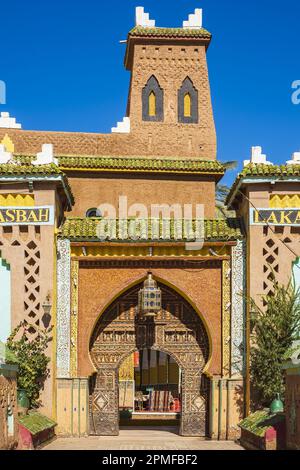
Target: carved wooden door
[{"x": 177, "y": 330}]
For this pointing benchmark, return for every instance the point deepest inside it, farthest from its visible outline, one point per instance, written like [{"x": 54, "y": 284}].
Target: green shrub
[
  {"x": 31, "y": 359},
  {"x": 275, "y": 328}
]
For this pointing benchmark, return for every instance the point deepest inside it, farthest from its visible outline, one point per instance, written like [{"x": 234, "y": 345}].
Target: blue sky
[{"x": 63, "y": 66}]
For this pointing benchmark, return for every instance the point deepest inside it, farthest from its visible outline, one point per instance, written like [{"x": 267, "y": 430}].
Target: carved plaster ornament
[
  {"x": 143, "y": 19},
  {"x": 5, "y": 157},
  {"x": 8, "y": 122},
  {"x": 295, "y": 159},
  {"x": 46, "y": 156},
  {"x": 195, "y": 20},
  {"x": 257, "y": 157},
  {"x": 123, "y": 127}
]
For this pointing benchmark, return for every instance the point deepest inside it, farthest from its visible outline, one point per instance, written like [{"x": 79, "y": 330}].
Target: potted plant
[{"x": 23, "y": 402}]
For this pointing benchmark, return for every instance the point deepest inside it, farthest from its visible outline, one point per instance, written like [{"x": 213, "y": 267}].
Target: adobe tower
[{"x": 169, "y": 103}]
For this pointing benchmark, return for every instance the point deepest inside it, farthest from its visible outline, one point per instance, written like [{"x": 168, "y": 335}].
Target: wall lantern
[
  {"x": 149, "y": 298},
  {"x": 46, "y": 319}
]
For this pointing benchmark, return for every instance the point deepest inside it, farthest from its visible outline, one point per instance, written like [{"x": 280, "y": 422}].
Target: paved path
[{"x": 141, "y": 439}]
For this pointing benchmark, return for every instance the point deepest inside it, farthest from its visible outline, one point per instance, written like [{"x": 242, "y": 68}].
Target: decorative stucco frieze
[
  {"x": 226, "y": 309},
  {"x": 74, "y": 316},
  {"x": 63, "y": 308},
  {"x": 238, "y": 315}
]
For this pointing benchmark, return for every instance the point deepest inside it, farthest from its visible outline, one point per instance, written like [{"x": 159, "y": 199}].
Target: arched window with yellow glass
[
  {"x": 188, "y": 103},
  {"x": 153, "y": 101},
  {"x": 152, "y": 104}
]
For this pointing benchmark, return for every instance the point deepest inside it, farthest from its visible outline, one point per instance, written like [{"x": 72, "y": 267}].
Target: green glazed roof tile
[
  {"x": 256, "y": 171},
  {"x": 142, "y": 164},
  {"x": 258, "y": 423},
  {"x": 170, "y": 32},
  {"x": 36, "y": 422},
  {"x": 77, "y": 229},
  {"x": 23, "y": 170}
]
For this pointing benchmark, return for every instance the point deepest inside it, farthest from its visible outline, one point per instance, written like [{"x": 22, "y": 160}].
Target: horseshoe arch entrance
[{"x": 177, "y": 331}]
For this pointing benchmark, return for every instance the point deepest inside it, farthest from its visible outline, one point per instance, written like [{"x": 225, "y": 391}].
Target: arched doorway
[
  {"x": 177, "y": 330},
  {"x": 150, "y": 390}
]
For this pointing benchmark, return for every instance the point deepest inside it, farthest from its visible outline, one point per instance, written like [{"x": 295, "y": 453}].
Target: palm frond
[{"x": 230, "y": 165}]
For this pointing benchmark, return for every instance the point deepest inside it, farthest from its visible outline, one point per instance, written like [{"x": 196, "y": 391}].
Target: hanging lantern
[{"x": 150, "y": 298}]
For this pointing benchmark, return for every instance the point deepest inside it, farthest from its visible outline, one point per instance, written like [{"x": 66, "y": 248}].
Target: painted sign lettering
[
  {"x": 27, "y": 215},
  {"x": 275, "y": 217}
]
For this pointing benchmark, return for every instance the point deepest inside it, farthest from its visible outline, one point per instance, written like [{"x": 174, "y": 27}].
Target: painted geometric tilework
[
  {"x": 238, "y": 309},
  {"x": 63, "y": 308}
]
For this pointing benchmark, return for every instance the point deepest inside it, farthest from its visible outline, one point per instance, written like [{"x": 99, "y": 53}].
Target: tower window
[
  {"x": 188, "y": 103},
  {"x": 153, "y": 101},
  {"x": 152, "y": 104}
]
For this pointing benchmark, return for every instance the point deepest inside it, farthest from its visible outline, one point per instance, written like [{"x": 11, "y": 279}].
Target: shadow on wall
[{"x": 239, "y": 400}]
